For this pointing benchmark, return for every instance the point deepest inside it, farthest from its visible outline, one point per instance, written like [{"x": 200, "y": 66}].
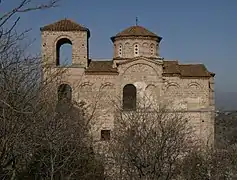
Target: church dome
[
  {"x": 135, "y": 31},
  {"x": 136, "y": 41}
]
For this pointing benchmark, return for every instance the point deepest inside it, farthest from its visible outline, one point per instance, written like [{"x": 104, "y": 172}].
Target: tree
[
  {"x": 156, "y": 142},
  {"x": 148, "y": 143},
  {"x": 37, "y": 139},
  {"x": 65, "y": 150},
  {"x": 211, "y": 164}
]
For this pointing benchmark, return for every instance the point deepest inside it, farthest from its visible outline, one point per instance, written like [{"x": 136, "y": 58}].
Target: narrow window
[
  {"x": 64, "y": 52},
  {"x": 120, "y": 51},
  {"x": 105, "y": 135},
  {"x": 129, "y": 97},
  {"x": 152, "y": 50},
  {"x": 136, "y": 50},
  {"x": 64, "y": 93}
]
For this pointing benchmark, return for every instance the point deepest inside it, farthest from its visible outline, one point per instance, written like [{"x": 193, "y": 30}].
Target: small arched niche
[{"x": 64, "y": 52}]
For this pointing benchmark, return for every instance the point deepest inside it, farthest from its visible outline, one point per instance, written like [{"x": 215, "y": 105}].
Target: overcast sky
[{"x": 193, "y": 31}]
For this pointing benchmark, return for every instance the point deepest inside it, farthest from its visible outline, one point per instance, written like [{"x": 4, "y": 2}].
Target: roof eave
[
  {"x": 42, "y": 29},
  {"x": 101, "y": 73},
  {"x": 113, "y": 38}
]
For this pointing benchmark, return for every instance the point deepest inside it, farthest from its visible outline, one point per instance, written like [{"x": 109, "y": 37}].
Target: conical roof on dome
[{"x": 135, "y": 31}]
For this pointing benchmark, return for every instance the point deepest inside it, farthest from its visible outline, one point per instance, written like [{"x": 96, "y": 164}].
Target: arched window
[
  {"x": 120, "y": 50},
  {"x": 136, "y": 50},
  {"x": 64, "y": 52},
  {"x": 64, "y": 93},
  {"x": 152, "y": 50},
  {"x": 129, "y": 97}
]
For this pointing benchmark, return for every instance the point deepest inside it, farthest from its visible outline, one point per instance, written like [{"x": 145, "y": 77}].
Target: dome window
[
  {"x": 136, "y": 50},
  {"x": 120, "y": 51},
  {"x": 152, "y": 49}
]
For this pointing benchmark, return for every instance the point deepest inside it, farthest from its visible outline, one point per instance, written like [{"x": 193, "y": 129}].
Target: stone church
[{"x": 136, "y": 69}]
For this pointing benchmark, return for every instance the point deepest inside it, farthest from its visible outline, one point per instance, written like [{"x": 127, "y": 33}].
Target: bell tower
[{"x": 65, "y": 32}]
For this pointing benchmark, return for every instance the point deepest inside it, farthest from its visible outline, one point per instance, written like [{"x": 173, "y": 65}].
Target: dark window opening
[
  {"x": 105, "y": 135},
  {"x": 64, "y": 52},
  {"x": 129, "y": 97},
  {"x": 64, "y": 93}
]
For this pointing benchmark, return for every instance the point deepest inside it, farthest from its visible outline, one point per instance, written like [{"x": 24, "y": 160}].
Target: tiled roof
[
  {"x": 186, "y": 70},
  {"x": 64, "y": 25},
  {"x": 196, "y": 70},
  {"x": 101, "y": 67},
  {"x": 170, "y": 68},
  {"x": 135, "y": 31}
]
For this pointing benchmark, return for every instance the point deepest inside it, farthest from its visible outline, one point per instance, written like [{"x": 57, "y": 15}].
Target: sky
[{"x": 193, "y": 31}]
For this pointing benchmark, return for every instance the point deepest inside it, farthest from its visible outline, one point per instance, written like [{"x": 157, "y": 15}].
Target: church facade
[{"x": 136, "y": 70}]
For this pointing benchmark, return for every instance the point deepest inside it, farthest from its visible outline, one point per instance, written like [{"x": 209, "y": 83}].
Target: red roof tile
[
  {"x": 101, "y": 67},
  {"x": 186, "y": 70},
  {"x": 64, "y": 25},
  {"x": 135, "y": 31},
  {"x": 169, "y": 68}
]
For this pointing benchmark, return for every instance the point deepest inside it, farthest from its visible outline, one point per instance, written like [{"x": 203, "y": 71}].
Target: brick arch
[
  {"x": 65, "y": 82},
  {"x": 136, "y": 42},
  {"x": 151, "y": 90},
  {"x": 66, "y": 36},
  {"x": 87, "y": 83},
  {"x": 172, "y": 84},
  {"x": 152, "y": 44},
  {"x": 107, "y": 84},
  {"x": 127, "y": 44},
  {"x": 194, "y": 84},
  {"x": 84, "y": 91},
  {"x": 150, "y": 87},
  {"x": 145, "y": 44},
  {"x": 144, "y": 64},
  {"x": 195, "y": 89},
  {"x": 172, "y": 89}
]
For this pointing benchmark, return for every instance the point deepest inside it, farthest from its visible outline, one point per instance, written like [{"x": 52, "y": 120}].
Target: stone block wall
[
  {"x": 79, "y": 42},
  {"x": 103, "y": 93},
  {"x": 146, "y": 47}
]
